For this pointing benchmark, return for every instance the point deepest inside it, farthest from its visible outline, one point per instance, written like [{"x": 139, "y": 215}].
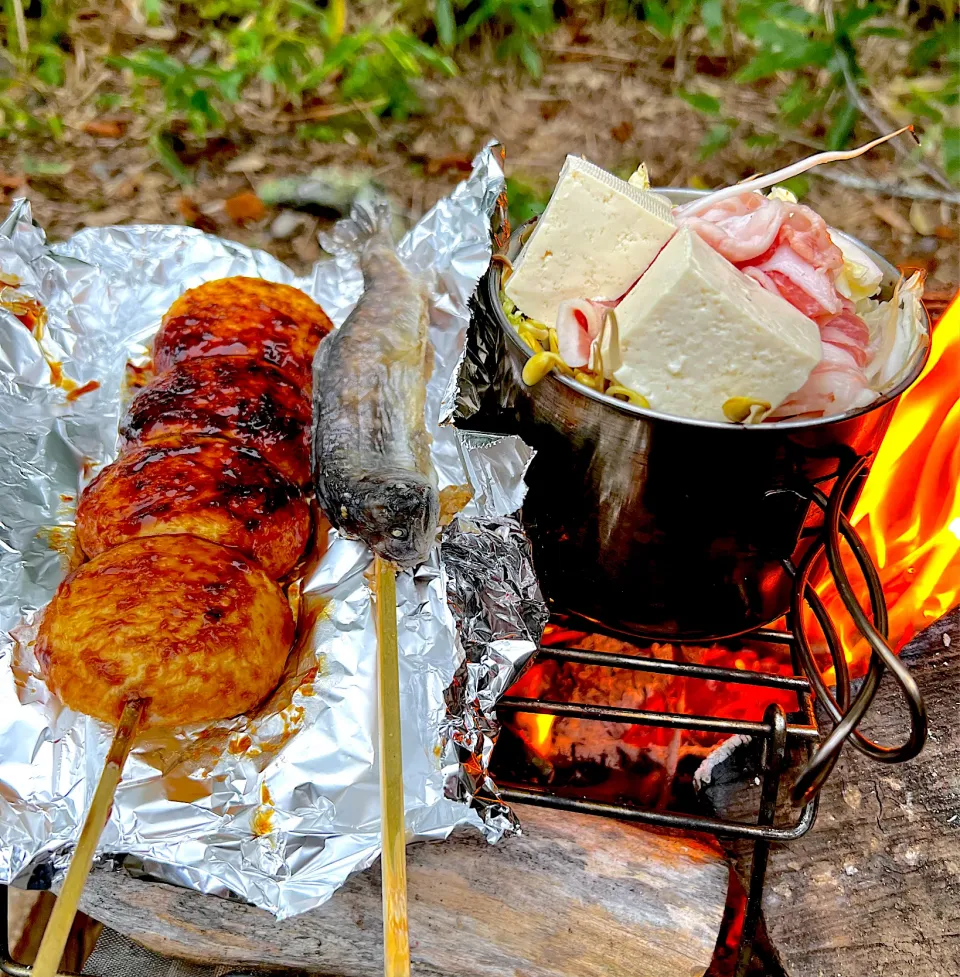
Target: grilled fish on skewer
[
  {"x": 374, "y": 478},
  {"x": 371, "y": 448}
]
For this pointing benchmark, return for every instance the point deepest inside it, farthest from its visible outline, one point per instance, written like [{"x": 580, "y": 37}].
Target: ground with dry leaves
[{"x": 600, "y": 95}]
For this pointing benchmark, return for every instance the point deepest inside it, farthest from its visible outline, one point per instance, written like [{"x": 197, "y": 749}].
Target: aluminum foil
[{"x": 281, "y": 806}]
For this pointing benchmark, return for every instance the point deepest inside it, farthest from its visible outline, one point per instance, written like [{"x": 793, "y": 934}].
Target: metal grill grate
[{"x": 774, "y": 727}]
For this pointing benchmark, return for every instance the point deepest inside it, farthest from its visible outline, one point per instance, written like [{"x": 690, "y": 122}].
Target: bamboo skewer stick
[
  {"x": 396, "y": 942},
  {"x": 55, "y": 935}
]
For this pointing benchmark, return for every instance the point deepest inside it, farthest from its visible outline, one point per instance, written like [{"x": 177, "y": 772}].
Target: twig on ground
[
  {"x": 593, "y": 52},
  {"x": 323, "y": 112},
  {"x": 889, "y": 189},
  {"x": 875, "y": 117}
]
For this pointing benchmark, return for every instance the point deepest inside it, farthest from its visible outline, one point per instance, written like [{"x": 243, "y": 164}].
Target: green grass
[{"x": 192, "y": 67}]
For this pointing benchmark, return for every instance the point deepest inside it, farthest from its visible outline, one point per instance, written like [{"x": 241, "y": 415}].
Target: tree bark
[{"x": 574, "y": 896}]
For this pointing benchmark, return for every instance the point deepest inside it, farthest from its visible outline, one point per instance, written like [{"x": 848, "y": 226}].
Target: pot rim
[{"x": 678, "y": 195}]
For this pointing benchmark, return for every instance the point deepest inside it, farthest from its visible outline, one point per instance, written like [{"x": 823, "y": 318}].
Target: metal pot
[{"x": 662, "y": 527}]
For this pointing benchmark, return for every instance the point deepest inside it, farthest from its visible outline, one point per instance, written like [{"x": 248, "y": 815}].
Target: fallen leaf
[
  {"x": 622, "y": 132},
  {"x": 11, "y": 181},
  {"x": 215, "y": 147},
  {"x": 245, "y": 206},
  {"x": 945, "y": 232},
  {"x": 189, "y": 211},
  {"x": 306, "y": 247},
  {"x": 894, "y": 218},
  {"x": 443, "y": 164},
  {"x": 108, "y": 128},
  {"x": 579, "y": 33},
  {"x": 923, "y": 218},
  {"x": 45, "y": 167},
  {"x": 193, "y": 216},
  {"x": 251, "y": 163},
  {"x": 107, "y": 216},
  {"x": 124, "y": 188},
  {"x": 716, "y": 66},
  {"x": 550, "y": 110}
]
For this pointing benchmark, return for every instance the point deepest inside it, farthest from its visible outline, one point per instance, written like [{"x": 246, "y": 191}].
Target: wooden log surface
[
  {"x": 574, "y": 896},
  {"x": 874, "y": 889}
]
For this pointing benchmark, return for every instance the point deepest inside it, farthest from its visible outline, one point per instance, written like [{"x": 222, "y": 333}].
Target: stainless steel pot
[{"x": 662, "y": 527}]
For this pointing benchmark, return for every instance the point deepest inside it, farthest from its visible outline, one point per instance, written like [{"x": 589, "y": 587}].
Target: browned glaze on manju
[
  {"x": 208, "y": 487},
  {"x": 196, "y": 628},
  {"x": 235, "y": 397},
  {"x": 243, "y": 316}
]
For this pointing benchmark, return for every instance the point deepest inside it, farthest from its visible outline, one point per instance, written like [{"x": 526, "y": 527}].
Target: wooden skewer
[
  {"x": 396, "y": 941},
  {"x": 55, "y": 935}
]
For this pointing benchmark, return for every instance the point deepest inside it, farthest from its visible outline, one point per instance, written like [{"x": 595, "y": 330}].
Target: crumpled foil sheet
[{"x": 279, "y": 807}]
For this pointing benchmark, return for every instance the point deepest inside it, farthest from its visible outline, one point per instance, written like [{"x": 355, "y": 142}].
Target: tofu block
[
  {"x": 594, "y": 240},
  {"x": 695, "y": 331}
]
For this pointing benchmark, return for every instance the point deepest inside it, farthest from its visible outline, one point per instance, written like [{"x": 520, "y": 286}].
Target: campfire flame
[
  {"x": 909, "y": 512},
  {"x": 540, "y": 731}
]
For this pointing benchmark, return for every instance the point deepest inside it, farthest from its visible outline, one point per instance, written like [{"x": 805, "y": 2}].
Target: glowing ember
[
  {"x": 909, "y": 512},
  {"x": 570, "y": 740}
]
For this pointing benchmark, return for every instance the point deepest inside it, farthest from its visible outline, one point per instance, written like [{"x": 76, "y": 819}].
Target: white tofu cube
[
  {"x": 594, "y": 240},
  {"x": 695, "y": 331}
]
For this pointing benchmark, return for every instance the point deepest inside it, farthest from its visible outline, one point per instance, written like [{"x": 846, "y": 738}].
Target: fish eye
[{"x": 397, "y": 533}]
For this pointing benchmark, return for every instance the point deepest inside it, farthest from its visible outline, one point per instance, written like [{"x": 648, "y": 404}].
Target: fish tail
[{"x": 369, "y": 222}]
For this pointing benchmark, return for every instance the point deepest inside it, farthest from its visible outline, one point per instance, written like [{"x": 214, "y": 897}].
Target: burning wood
[{"x": 563, "y": 751}]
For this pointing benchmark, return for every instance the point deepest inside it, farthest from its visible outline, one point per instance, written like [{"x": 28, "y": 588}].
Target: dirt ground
[{"x": 599, "y": 96}]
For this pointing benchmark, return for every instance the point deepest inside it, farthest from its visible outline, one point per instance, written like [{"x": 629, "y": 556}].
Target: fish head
[{"x": 396, "y": 513}]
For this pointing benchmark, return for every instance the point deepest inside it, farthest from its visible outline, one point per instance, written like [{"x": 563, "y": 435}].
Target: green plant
[
  {"x": 39, "y": 67},
  {"x": 301, "y": 51},
  {"x": 931, "y": 91},
  {"x": 813, "y": 44},
  {"x": 819, "y": 47},
  {"x": 671, "y": 18},
  {"x": 380, "y": 67},
  {"x": 520, "y": 25},
  {"x": 526, "y": 200},
  {"x": 194, "y": 94}
]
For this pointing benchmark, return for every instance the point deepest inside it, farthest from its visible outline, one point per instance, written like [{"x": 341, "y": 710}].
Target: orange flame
[
  {"x": 542, "y": 727},
  {"x": 909, "y": 512}
]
